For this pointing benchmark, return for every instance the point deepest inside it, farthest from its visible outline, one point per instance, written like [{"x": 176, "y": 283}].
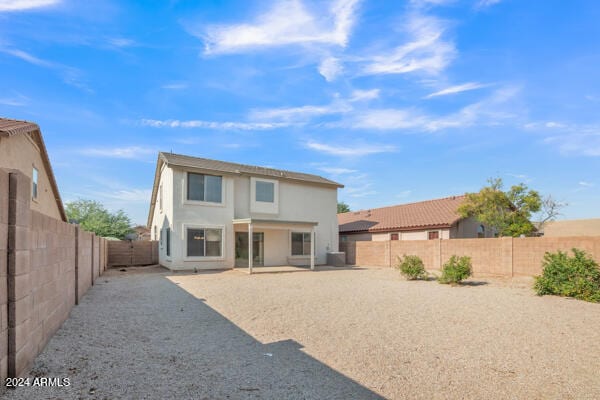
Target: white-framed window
[
  {"x": 301, "y": 243},
  {"x": 205, "y": 188},
  {"x": 34, "y": 183},
  {"x": 265, "y": 191},
  {"x": 203, "y": 242}
]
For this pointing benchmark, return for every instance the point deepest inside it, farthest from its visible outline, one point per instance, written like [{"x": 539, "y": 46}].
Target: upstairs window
[
  {"x": 301, "y": 244},
  {"x": 394, "y": 236},
  {"x": 204, "y": 188},
  {"x": 265, "y": 191},
  {"x": 34, "y": 184}
]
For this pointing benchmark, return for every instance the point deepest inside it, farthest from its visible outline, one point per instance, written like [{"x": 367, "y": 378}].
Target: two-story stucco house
[{"x": 209, "y": 214}]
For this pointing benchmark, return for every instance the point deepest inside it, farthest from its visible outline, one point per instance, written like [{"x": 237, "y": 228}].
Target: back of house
[{"x": 210, "y": 214}]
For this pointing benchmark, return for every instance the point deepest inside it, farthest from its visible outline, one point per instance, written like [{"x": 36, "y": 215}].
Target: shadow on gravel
[{"x": 137, "y": 335}]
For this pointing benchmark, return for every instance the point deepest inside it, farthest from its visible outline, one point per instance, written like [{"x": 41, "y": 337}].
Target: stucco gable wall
[{"x": 20, "y": 152}]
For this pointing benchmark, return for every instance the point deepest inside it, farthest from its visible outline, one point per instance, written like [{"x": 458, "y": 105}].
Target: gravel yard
[{"x": 335, "y": 333}]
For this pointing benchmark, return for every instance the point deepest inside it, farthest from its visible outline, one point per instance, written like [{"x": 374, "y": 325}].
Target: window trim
[
  {"x": 429, "y": 234},
  {"x": 312, "y": 245},
  {"x": 185, "y": 186},
  {"x": 270, "y": 182},
  {"x": 168, "y": 242},
  {"x": 394, "y": 236},
  {"x": 203, "y": 258}
]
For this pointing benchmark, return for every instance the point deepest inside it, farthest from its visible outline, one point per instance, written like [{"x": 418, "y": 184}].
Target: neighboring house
[
  {"x": 142, "y": 232},
  {"x": 22, "y": 148},
  {"x": 210, "y": 214},
  {"x": 574, "y": 227},
  {"x": 431, "y": 219}
]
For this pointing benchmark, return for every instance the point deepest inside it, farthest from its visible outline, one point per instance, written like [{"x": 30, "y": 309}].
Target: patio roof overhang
[{"x": 274, "y": 223}]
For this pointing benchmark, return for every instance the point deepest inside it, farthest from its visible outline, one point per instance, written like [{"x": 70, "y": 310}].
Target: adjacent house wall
[{"x": 20, "y": 152}]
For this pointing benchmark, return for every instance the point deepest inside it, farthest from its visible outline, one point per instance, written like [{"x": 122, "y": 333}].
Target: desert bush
[
  {"x": 577, "y": 276},
  {"x": 455, "y": 270},
  {"x": 411, "y": 267}
]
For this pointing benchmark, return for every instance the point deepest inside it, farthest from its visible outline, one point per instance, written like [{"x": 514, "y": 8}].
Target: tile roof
[
  {"x": 234, "y": 168},
  {"x": 9, "y": 127},
  {"x": 439, "y": 213}
]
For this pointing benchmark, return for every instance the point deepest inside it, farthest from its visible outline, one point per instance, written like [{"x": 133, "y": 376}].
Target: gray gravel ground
[{"x": 330, "y": 334}]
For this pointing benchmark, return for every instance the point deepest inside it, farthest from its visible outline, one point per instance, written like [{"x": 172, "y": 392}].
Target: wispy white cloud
[
  {"x": 22, "y": 5},
  {"x": 247, "y": 126},
  {"x": 131, "y": 195},
  {"x": 288, "y": 22},
  {"x": 585, "y": 142},
  {"x": 121, "y": 42},
  {"x": 457, "y": 89},
  {"x": 337, "y": 170},
  {"x": 330, "y": 68},
  {"x": 302, "y": 113},
  {"x": 586, "y": 184},
  {"x": 130, "y": 152},
  {"x": 175, "y": 86},
  {"x": 426, "y": 50},
  {"x": 70, "y": 75},
  {"x": 16, "y": 101},
  {"x": 404, "y": 194},
  {"x": 486, "y": 3},
  {"x": 361, "y": 95},
  {"x": 349, "y": 151},
  {"x": 489, "y": 111},
  {"x": 523, "y": 177}
]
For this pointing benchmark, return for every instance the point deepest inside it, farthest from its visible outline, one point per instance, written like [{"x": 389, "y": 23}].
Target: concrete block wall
[
  {"x": 3, "y": 274},
  {"x": 39, "y": 266},
  {"x": 495, "y": 256}
]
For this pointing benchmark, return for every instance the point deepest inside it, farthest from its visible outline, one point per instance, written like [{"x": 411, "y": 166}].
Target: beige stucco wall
[
  {"x": 20, "y": 152},
  {"x": 297, "y": 202},
  {"x": 574, "y": 227}
]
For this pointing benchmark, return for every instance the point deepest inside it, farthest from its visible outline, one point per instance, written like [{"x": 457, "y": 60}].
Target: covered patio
[{"x": 274, "y": 243}]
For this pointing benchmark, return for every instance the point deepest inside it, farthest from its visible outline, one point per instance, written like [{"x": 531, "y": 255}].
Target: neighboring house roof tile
[
  {"x": 439, "y": 213},
  {"x": 10, "y": 127}
]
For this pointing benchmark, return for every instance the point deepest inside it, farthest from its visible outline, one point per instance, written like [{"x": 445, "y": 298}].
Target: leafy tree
[
  {"x": 343, "y": 207},
  {"x": 93, "y": 217},
  {"x": 508, "y": 213}
]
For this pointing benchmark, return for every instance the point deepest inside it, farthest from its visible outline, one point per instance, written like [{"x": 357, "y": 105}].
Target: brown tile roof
[
  {"x": 439, "y": 213},
  {"x": 10, "y": 127}
]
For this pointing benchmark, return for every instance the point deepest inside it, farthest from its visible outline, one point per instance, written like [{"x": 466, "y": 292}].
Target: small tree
[
  {"x": 411, "y": 267},
  {"x": 342, "y": 207},
  {"x": 93, "y": 217},
  {"x": 508, "y": 213},
  {"x": 455, "y": 270}
]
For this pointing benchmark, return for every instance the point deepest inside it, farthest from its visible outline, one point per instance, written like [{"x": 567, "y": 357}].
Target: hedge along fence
[
  {"x": 505, "y": 256},
  {"x": 46, "y": 266}
]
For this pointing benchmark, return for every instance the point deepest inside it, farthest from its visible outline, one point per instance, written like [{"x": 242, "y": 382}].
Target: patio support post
[
  {"x": 312, "y": 248},
  {"x": 250, "y": 255}
]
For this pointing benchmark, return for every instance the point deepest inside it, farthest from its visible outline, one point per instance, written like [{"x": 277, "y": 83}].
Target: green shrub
[
  {"x": 577, "y": 276},
  {"x": 411, "y": 267},
  {"x": 455, "y": 270}
]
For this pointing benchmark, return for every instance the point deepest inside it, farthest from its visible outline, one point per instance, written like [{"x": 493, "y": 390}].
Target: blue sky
[{"x": 399, "y": 100}]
